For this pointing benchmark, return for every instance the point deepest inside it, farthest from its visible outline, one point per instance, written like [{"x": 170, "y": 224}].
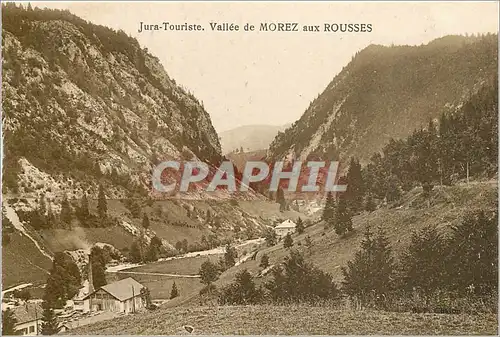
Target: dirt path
[{"x": 156, "y": 274}]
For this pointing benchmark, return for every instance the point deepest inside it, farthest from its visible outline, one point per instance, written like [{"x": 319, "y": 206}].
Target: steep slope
[
  {"x": 444, "y": 208},
  {"x": 249, "y": 137},
  {"x": 84, "y": 106},
  {"x": 83, "y": 102},
  {"x": 22, "y": 255},
  {"x": 387, "y": 92}
]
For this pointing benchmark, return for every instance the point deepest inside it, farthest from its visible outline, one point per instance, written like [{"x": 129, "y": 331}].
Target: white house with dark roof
[
  {"x": 121, "y": 296},
  {"x": 29, "y": 319},
  {"x": 287, "y": 226}
]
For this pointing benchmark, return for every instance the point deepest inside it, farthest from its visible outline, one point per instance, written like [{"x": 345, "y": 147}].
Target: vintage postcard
[{"x": 250, "y": 168}]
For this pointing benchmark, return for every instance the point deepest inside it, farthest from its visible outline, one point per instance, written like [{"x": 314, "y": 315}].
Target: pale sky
[{"x": 271, "y": 77}]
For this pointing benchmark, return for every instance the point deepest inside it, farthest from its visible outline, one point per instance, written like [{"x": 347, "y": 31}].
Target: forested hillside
[
  {"x": 386, "y": 92},
  {"x": 111, "y": 108}
]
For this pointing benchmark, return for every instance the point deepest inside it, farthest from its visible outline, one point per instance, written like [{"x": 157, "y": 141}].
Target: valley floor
[{"x": 291, "y": 320}]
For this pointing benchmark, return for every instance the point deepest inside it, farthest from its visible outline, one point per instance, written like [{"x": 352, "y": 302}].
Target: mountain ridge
[
  {"x": 386, "y": 92},
  {"x": 252, "y": 137}
]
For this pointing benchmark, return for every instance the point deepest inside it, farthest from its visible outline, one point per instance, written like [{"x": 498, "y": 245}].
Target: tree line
[
  {"x": 461, "y": 145},
  {"x": 436, "y": 272}
]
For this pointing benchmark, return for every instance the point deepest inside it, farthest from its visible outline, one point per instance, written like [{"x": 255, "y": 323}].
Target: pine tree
[
  {"x": 343, "y": 221},
  {"x": 63, "y": 282},
  {"x": 146, "y": 297},
  {"x": 393, "y": 192},
  {"x": 280, "y": 199},
  {"x": 8, "y": 323},
  {"x": 264, "y": 261},
  {"x": 242, "y": 291},
  {"x": 175, "y": 292},
  {"x": 309, "y": 243},
  {"x": 156, "y": 242},
  {"x": 270, "y": 236},
  {"x": 66, "y": 215},
  {"x": 84, "y": 208},
  {"x": 98, "y": 267},
  {"x": 50, "y": 219},
  {"x": 152, "y": 252},
  {"x": 135, "y": 253},
  {"x": 7, "y": 229},
  {"x": 427, "y": 170},
  {"x": 102, "y": 205},
  {"x": 371, "y": 271},
  {"x": 40, "y": 216},
  {"x": 420, "y": 268},
  {"x": 145, "y": 221},
  {"x": 473, "y": 256},
  {"x": 300, "y": 226},
  {"x": 329, "y": 210},
  {"x": 288, "y": 242},
  {"x": 209, "y": 273},
  {"x": 230, "y": 256},
  {"x": 204, "y": 242},
  {"x": 49, "y": 321},
  {"x": 296, "y": 280},
  {"x": 370, "y": 205},
  {"x": 355, "y": 189}
]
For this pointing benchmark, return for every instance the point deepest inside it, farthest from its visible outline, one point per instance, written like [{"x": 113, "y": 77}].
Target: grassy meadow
[{"x": 291, "y": 320}]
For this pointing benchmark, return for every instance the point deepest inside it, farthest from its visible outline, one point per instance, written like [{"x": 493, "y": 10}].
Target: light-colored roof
[
  {"x": 122, "y": 290},
  {"x": 287, "y": 224},
  {"x": 27, "y": 312}
]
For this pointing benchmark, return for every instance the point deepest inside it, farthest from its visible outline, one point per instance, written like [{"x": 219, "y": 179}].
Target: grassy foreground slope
[
  {"x": 444, "y": 208},
  {"x": 291, "y": 320}
]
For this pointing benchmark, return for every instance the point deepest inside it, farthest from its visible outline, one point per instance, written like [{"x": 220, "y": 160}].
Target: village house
[
  {"x": 287, "y": 226},
  {"x": 29, "y": 319},
  {"x": 122, "y": 296}
]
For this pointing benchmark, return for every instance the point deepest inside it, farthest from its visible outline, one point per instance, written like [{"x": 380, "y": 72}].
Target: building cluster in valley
[{"x": 89, "y": 306}]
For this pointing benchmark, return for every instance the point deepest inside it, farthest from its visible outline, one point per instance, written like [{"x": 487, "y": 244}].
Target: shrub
[
  {"x": 472, "y": 263},
  {"x": 288, "y": 242},
  {"x": 242, "y": 291},
  {"x": 422, "y": 264},
  {"x": 299, "y": 281},
  {"x": 371, "y": 273},
  {"x": 264, "y": 261}
]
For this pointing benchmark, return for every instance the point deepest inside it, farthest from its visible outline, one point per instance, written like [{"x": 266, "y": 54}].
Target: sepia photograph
[{"x": 249, "y": 168}]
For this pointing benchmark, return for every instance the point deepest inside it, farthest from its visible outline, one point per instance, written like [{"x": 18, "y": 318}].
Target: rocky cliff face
[
  {"x": 387, "y": 92},
  {"x": 82, "y": 102}
]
